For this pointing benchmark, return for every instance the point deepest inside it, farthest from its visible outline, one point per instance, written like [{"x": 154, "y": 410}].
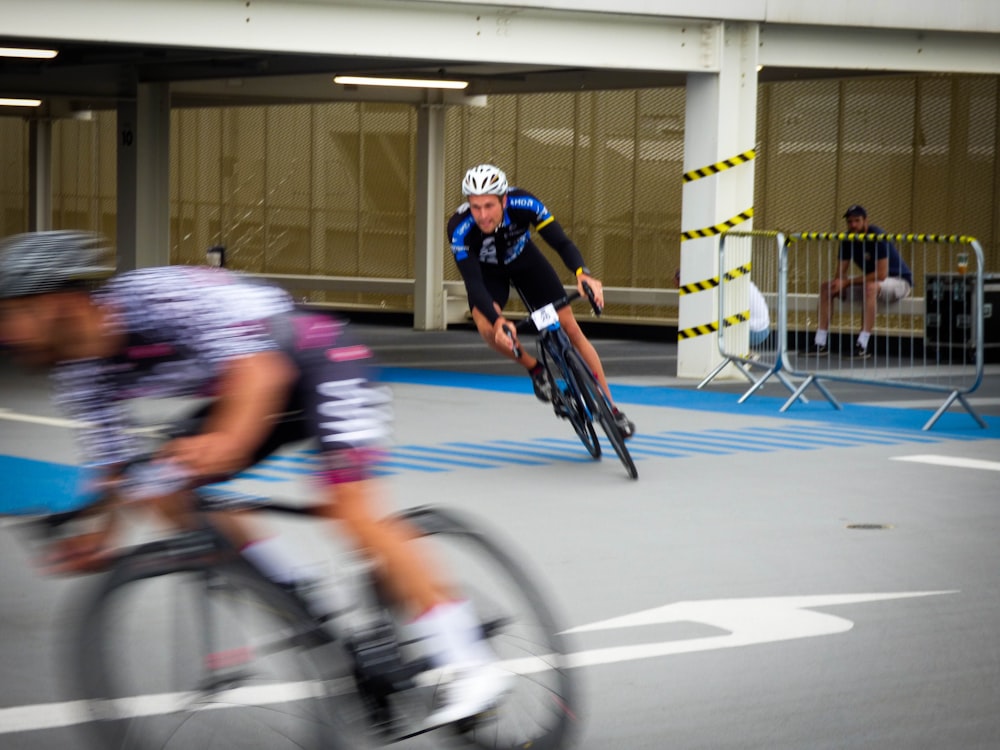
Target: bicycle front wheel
[
  {"x": 205, "y": 657},
  {"x": 520, "y": 627},
  {"x": 568, "y": 402},
  {"x": 599, "y": 407}
]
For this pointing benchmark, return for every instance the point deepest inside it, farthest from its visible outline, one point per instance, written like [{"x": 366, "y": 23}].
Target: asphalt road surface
[{"x": 814, "y": 579}]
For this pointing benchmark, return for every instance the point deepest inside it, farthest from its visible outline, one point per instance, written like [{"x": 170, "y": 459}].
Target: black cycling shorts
[
  {"x": 333, "y": 401},
  {"x": 530, "y": 274}
]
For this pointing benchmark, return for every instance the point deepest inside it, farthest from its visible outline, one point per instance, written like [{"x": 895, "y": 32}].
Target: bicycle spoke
[{"x": 177, "y": 663}]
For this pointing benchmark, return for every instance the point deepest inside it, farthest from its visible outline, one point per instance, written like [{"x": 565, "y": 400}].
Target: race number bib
[{"x": 544, "y": 317}]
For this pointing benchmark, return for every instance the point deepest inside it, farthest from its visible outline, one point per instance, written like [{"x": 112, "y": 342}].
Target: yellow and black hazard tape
[
  {"x": 718, "y": 228},
  {"x": 690, "y": 333},
  {"x": 948, "y": 239},
  {"x": 720, "y": 166},
  {"x": 704, "y": 286}
]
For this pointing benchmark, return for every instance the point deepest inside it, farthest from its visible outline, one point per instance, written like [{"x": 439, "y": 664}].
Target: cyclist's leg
[
  {"x": 582, "y": 344},
  {"x": 349, "y": 416},
  {"x": 498, "y": 283},
  {"x": 539, "y": 284}
]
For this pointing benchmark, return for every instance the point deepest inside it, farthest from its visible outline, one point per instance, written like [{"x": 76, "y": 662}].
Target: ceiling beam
[{"x": 381, "y": 28}]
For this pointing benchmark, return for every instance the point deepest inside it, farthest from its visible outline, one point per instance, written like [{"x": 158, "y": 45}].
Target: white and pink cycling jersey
[{"x": 182, "y": 324}]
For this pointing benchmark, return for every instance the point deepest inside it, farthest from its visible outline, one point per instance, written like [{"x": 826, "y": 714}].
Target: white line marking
[
  {"x": 14, "y": 416},
  {"x": 931, "y": 403},
  {"x": 958, "y": 463},
  {"x": 749, "y": 622}
]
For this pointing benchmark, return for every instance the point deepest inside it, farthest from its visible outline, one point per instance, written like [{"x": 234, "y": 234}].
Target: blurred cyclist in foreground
[{"x": 196, "y": 331}]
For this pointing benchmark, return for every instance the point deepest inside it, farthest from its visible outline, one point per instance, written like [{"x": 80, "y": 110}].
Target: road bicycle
[
  {"x": 182, "y": 643},
  {"x": 576, "y": 394}
]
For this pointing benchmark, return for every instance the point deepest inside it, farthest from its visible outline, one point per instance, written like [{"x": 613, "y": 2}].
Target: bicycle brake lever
[
  {"x": 513, "y": 342},
  {"x": 592, "y": 299}
]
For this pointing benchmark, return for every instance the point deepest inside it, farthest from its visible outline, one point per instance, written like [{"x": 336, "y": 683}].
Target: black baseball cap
[{"x": 856, "y": 210}]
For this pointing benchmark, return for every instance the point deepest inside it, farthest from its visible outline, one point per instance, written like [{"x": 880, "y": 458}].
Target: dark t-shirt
[{"x": 867, "y": 253}]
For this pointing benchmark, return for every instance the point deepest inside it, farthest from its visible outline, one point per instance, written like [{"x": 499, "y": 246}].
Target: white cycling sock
[
  {"x": 274, "y": 558},
  {"x": 452, "y": 635},
  {"x": 820, "y": 337},
  {"x": 863, "y": 339}
]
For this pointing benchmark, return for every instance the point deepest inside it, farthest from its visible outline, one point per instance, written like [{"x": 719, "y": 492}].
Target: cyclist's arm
[
  {"x": 475, "y": 287},
  {"x": 252, "y": 391},
  {"x": 552, "y": 232},
  {"x": 83, "y": 393}
]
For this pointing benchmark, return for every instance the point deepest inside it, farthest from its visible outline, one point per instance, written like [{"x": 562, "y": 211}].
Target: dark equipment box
[{"x": 950, "y": 319}]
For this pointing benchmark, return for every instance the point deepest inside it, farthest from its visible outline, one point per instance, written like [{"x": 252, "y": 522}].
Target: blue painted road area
[{"x": 35, "y": 487}]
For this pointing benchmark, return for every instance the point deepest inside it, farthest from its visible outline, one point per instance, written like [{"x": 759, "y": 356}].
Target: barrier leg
[
  {"x": 952, "y": 398},
  {"x": 811, "y": 380},
  {"x": 780, "y": 376},
  {"x": 788, "y": 384},
  {"x": 711, "y": 376}
]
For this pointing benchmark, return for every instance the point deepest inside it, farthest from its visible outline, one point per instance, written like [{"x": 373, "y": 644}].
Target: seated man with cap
[{"x": 884, "y": 277}]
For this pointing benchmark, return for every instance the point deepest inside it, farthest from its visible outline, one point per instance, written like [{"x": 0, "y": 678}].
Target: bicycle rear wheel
[
  {"x": 517, "y": 620},
  {"x": 203, "y": 657},
  {"x": 599, "y": 407}
]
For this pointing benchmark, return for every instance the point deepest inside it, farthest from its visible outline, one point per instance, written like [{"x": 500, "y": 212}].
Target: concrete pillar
[
  {"x": 720, "y": 125},
  {"x": 144, "y": 178},
  {"x": 40, "y": 176},
  {"x": 428, "y": 292}
]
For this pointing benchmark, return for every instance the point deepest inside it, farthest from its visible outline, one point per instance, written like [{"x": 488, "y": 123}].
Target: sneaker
[
  {"x": 819, "y": 350},
  {"x": 542, "y": 383},
  {"x": 468, "y": 691},
  {"x": 624, "y": 424},
  {"x": 860, "y": 352}
]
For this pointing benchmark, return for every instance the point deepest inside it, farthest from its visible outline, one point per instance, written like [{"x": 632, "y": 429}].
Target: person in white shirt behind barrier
[{"x": 760, "y": 316}]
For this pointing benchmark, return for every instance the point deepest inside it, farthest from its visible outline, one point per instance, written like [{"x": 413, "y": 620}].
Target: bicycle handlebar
[{"x": 557, "y": 305}]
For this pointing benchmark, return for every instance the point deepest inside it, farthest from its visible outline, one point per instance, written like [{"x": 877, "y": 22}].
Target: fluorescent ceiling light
[
  {"x": 417, "y": 83},
  {"x": 39, "y": 54},
  {"x": 20, "y": 102}
]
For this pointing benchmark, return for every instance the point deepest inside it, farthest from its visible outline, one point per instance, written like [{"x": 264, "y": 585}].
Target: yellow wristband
[{"x": 582, "y": 270}]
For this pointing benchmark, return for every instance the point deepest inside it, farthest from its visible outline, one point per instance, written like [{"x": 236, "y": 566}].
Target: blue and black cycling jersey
[{"x": 506, "y": 245}]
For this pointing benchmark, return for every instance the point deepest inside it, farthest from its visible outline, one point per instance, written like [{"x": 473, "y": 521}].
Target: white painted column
[
  {"x": 720, "y": 123},
  {"x": 428, "y": 290},
  {"x": 144, "y": 178},
  {"x": 40, "y": 179}
]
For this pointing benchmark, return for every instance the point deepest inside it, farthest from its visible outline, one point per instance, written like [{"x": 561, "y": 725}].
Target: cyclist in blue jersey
[
  {"x": 198, "y": 331},
  {"x": 884, "y": 276},
  {"x": 490, "y": 237}
]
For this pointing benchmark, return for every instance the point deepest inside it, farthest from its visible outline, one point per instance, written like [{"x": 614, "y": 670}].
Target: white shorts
[{"x": 891, "y": 289}]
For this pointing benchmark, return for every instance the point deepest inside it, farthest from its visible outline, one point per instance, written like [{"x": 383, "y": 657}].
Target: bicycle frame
[{"x": 582, "y": 400}]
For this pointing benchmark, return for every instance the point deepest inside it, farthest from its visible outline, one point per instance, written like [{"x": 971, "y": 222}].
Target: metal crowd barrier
[
  {"x": 931, "y": 340},
  {"x": 750, "y": 283}
]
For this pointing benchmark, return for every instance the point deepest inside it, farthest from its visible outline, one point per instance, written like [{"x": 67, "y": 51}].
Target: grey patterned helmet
[{"x": 41, "y": 262}]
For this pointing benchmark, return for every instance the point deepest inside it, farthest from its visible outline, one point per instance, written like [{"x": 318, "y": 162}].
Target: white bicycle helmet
[
  {"x": 41, "y": 262},
  {"x": 484, "y": 180}
]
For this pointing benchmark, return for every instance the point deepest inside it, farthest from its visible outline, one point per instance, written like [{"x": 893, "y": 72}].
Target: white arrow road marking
[
  {"x": 749, "y": 621},
  {"x": 960, "y": 463}
]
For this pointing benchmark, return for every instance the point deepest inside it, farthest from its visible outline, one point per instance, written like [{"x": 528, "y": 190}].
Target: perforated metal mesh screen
[
  {"x": 312, "y": 190},
  {"x": 84, "y": 175},
  {"x": 918, "y": 152},
  {"x": 330, "y": 189},
  {"x": 14, "y": 167}
]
